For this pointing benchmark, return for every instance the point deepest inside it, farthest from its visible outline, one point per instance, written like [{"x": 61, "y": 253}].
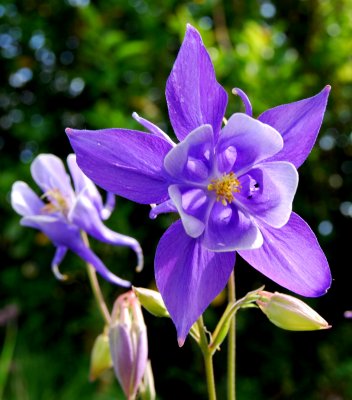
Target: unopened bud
[
  {"x": 152, "y": 301},
  {"x": 290, "y": 313},
  {"x": 128, "y": 343},
  {"x": 100, "y": 358}
]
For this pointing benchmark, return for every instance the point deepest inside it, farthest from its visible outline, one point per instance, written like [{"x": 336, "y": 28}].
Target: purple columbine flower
[
  {"x": 61, "y": 212},
  {"x": 232, "y": 186}
]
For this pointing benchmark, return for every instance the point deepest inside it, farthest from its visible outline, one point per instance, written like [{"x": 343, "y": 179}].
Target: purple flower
[
  {"x": 232, "y": 186},
  {"x": 61, "y": 212}
]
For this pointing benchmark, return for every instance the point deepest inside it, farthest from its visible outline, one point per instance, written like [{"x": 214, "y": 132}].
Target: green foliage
[{"x": 91, "y": 64}]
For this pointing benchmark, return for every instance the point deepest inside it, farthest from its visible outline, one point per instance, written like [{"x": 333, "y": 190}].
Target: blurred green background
[{"x": 83, "y": 63}]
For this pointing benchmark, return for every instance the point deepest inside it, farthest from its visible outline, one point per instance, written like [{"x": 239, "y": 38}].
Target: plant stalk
[
  {"x": 6, "y": 355},
  {"x": 208, "y": 360},
  {"x": 94, "y": 283},
  {"x": 231, "y": 352}
]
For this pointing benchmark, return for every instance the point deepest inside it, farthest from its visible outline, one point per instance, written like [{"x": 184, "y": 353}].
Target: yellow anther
[
  {"x": 225, "y": 187},
  {"x": 56, "y": 201}
]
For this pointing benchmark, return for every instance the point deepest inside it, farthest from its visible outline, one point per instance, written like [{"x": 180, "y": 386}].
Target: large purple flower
[
  {"x": 62, "y": 213},
  {"x": 232, "y": 187}
]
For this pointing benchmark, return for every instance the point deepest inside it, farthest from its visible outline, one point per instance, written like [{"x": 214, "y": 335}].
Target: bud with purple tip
[{"x": 128, "y": 343}]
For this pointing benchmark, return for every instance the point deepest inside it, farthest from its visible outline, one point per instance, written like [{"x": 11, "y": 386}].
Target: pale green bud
[
  {"x": 152, "y": 301},
  {"x": 100, "y": 359},
  {"x": 290, "y": 313}
]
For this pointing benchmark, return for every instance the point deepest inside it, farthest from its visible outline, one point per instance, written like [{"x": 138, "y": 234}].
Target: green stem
[
  {"x": 7, "y": 355},
  {"x": 231, "y": 354},
  {"x": 208, "y": 360},
  {"x": 94, "y": 283},
  {"x": 209, "y": 371}
]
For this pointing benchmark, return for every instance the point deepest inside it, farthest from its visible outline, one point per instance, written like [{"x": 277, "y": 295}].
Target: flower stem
[
  {"x": 6, "y": 355},
  {"x": 231, "y": 352},
  {"x": 208, "y": 360},
  {"x": 94, "y": 283},
  {"x": 209, "y": 371}
]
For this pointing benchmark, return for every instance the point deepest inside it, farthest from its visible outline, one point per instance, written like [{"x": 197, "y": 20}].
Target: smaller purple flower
[{"x": 62, "y": 212}]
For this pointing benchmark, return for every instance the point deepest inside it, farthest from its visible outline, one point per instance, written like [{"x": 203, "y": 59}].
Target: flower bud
[
  {"x": 100, "y": 358},
  {"x": 128, "y": 343},
  {"x": 290, "y": 313},
  {"x": 152, "y": 301}
]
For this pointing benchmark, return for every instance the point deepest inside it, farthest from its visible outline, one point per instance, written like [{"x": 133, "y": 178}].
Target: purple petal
[
  {"x": 192, "y": 205},
  {"x": 24, "y": 201},
  {"x": 129, "y": 353},
  {"x": 87, "y": 255},
  {"x": 124, "y": 162},
  {"x": 230, "y": 229},
  {"x": 189, "y": 276},
  {"x": 87, "y": 218},
  {"x": 193, "y": 95},
  {"x": 63, "y": 234},
  {"x": 299, "y": 125},
  {"x": 252, "y": 140},
  {"x": 291, "y": 256},
  {"x": 141, "y": 358},
  {"x": 83, "y": 183},
  {"x": 55, "y": 227},
  {"x": 121, "y": 350},
  {"x": 49, "y": 173},
  {"x": 192, "y": 159},
  {"x": 267, "y": 192}
]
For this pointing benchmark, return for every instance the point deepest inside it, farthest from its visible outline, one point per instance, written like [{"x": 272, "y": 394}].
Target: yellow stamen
[
  {"x": 56, "y": 201},
  {"x": 225, "y": 187}
]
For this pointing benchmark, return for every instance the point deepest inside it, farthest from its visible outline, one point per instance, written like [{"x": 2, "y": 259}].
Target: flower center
[
  {"x": 56, "y": 202},
  {"x": 225, "y": 187}
]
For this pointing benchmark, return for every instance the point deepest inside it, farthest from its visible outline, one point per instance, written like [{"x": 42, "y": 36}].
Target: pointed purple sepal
[
  {"x": 90, "y": 257},
  {"x": 87, "y": 218},
  {"x": 299, "y": 125},
  {"x": 193, "y": 95},
  {"x": 124, "y": 162},
  {"x": 24, "y": 200},
  {"x": 291, "y": 256},
  {"x": 189, "y": 276}
]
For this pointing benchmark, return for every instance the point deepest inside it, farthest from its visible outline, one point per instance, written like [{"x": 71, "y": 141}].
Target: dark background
[{"x": 82, "y": 63}]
